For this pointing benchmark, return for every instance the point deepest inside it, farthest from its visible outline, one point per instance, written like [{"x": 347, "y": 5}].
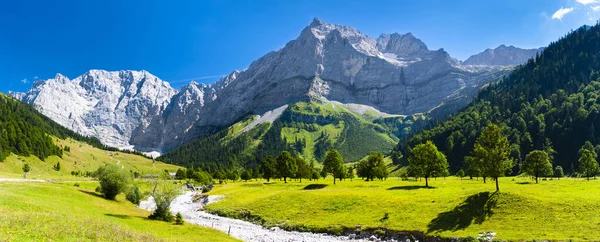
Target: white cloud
[
  {"x": 24, "y": 81},
  {"x": 586, "y": 2},
  {"x": 35, "y": 78},
  {"x": 559, "y": 14}
]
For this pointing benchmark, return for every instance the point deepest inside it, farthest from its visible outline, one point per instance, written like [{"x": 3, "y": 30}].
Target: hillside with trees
[
  {"x": 551, "y": 103},
  {"x": 305, "y": 129}
]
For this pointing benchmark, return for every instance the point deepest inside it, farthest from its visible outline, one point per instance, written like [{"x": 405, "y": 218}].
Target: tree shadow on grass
[
  {"x": 524, "y": 183},
  {"x": 475, "y": 209},
  {"x": 409, "y": 188},
  {"x": 314, "y": 186},
  {"x": 121, "y": 216},
  {"x": 92, "y": 193}
]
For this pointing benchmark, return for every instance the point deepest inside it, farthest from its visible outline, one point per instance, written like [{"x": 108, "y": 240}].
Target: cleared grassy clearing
[
  {"x": 61, "y": 212},
  {"x": 555, "y": 210}
]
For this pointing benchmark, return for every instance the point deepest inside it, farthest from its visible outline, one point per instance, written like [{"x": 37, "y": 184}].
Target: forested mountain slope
[
  {"x": 549, "y": 103},
  {"x": 307, "y": 129},
  {"x": 24, "y": 131}
]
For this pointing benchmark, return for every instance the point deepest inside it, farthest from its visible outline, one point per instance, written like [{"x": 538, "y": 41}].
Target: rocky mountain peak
[
  {"x": 402, "y": 45},
  {"x": 502, "y": 55}
]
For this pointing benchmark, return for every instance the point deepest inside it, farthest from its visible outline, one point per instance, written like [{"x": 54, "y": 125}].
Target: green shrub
[
  {"x": 134, "y": 195},
  {"x": 179, "y": 219},
  {"x": 205, "y": 189},
  {"x": 76, "y": 184},
  {"x": 113, "y": 180}
]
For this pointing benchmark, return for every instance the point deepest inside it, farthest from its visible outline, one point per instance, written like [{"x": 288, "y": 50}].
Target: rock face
[
  {"x": 106, "y": 105},
  {"x": 395, "y": 73},
  {"x": 502, "y": 56}
]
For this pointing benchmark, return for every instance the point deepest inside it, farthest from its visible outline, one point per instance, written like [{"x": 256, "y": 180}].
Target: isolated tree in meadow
[
  {"x": 26, "y": 169},
  {"x": 334, "y": 164},
  {"x": 304, "y": 170},
  {"x": 588, "y": 166},
  {"x": 558, "y": 172},
  {"x": 428, "y": 161},
  {"x": 113, "y": 180},
  {"x": 372, "y": 167},
  {"x": 286, "y": 165},
  {"x": 269, "y": 168},
  {"x": 537, "y": 163},
  {"x": 493, "y": 149},
  {"x": 57, "y": 166}
]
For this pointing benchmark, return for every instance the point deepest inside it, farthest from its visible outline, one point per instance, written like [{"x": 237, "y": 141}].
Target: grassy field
[
  {"x": 82, "y": 157},
  {"x": 62, "y": 212},
  {"x": 554, "y": 209}
]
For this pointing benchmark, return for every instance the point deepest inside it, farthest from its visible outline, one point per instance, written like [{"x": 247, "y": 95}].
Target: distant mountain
[
  {"x": 395, "y": 74},
  {"x": 502, "y": 56},
  {"x": 112, "y": 106}
]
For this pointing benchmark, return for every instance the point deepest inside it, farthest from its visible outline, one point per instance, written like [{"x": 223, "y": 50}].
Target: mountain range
[{"x": 394, "y": 75}]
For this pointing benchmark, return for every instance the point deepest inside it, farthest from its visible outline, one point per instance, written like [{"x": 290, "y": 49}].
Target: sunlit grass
[
  {"x": 554, "y": 209},
  {"x": 82, "y": 157},
  {"x": 61, "y": 212}
]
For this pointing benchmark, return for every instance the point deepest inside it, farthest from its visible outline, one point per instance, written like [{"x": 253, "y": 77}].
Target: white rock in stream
[{"x": 243, "y": 230}]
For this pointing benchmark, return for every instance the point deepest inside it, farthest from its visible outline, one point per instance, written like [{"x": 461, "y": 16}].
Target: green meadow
[
  {"x": 522, "y": 210},
  {"x": 81, "y": 157},
  {"x": 62, "y": 212}
]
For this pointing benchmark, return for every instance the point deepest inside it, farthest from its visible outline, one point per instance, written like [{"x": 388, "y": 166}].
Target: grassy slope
[
  {"x": 58, "y": 212},
  {"x": 348, "y": 135},
  {"x": 82, "y": 157},
  {"x": 554, "y": 210}
]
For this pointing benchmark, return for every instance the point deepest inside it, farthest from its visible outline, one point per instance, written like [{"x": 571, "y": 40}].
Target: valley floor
[
  {"x": 522, "y": 210},
  {"x": 36, "y": 211}
]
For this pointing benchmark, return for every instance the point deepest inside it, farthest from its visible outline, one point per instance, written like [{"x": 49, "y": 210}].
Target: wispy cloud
[
  {"x": 586, "y": 2},
  {"x": 198, "y": 78},
  {"x": 559, "y": 14},
  {"x": 595, "y": 8},
  {"x": 24, "y": 81},
  {"x": 35, "y": 78}
]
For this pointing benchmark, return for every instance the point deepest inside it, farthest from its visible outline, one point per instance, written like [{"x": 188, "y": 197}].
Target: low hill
[
  {"x": 307, "y": 128},
  {"x": 79, "y": 157},
  {"x": 550, "y": 103}
]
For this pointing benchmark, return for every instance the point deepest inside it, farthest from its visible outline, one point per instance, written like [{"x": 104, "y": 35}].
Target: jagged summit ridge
[{"x": 395, "y": 73}]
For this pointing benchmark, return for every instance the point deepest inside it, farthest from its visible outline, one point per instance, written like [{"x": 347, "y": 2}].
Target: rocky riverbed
[{"x": 243, "y": 230}]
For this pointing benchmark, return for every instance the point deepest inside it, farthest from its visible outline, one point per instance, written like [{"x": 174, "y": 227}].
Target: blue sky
[{"x": 182, "y": 40}]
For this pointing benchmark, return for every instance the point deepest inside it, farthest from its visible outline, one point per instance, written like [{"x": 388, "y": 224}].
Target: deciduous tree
[
  {"x": 537, "y": 163},
  {"x": 427, "y": 161}
]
